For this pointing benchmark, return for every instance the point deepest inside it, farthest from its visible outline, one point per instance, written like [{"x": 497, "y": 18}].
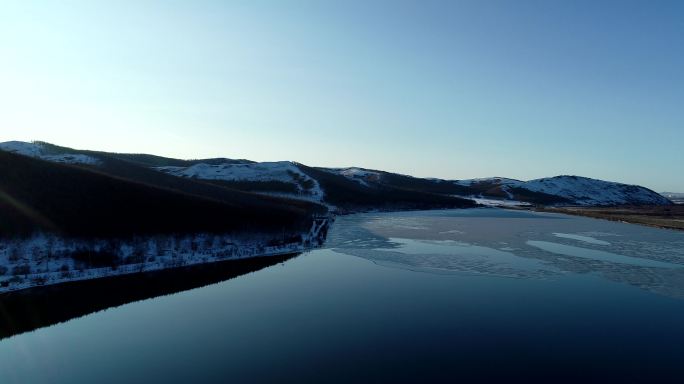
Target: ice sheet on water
[
  {"x": 586, "y": 239},
  {"x": 451, "y": 257},
  {"x": 593, "y": 254},
  {"x": 487, "y": 241}
]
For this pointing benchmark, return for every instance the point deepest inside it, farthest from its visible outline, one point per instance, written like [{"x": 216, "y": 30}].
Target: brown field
[{"x": 671, "y": 217}]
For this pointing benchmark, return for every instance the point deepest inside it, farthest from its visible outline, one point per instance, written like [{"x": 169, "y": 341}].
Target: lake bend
[{"x": 473, "y": 295}]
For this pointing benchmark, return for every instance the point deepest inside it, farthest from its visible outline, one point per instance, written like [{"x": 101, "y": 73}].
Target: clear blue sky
[{"x": 451, "y": 89}]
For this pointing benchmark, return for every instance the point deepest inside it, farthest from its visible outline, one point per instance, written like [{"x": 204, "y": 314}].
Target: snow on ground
[
  {"x": 499, "y": 203},
  {"x": 71, "y": 159},
  {"x": 503, "y": 182},
  {"x": 47, "y": 259},
  {"x": 579, "y": 190},
  {"x": 22, "y": 148},
  {"x": 673, "y": 195},
  {"x": 354, "y": 172},
  {"x": 37, "y": 150},
  {"x": 677, "y": 198},
  {"x": 360, "y": 175},
  {"x": 488, "y": 180},
  {"x": 283, "y": 171},
  {"x": 586, "y": 191}
]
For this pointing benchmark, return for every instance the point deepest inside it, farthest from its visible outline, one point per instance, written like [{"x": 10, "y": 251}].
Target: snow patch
[
  {"x": 22, "y": 148},
  {"x": 38, "y": 151},
  {"x": 578, "y": 190},
  {"x": 360, "y": 175},
  {"x": 499, "y": 203},
  {"x": 283, "y": 171},
  {"x": 591, "y": 192},
  {"x": 71, "y": 159},
  {"x": 488, "y": 180}
]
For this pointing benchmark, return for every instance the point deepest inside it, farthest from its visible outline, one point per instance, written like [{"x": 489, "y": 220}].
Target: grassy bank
[{"x": 670, "y": 217}]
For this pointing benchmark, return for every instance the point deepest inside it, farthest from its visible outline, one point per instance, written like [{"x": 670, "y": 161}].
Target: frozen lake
[{"x": 473, "y": 295}]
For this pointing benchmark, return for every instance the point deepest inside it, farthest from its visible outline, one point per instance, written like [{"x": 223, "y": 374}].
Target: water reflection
[
  {"x": 30, "y": 309},
  {"x": 326, "y": 317}
]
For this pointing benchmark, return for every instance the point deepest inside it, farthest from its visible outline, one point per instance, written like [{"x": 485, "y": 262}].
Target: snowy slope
[
  {"x": 571, "y": 190},
  {"x": 491, "y": 184},
  {"x": 577, "y": 190},
  {"x": 488, "y": 180},
  {"x": 360, "y": 175},
  {"x": 37, "y": 150},
  {"x": 586, "y": 191},
  {"x": 282, "y": 171},
  {"x": 22, "y": 148},
  {"x": 677, "y": 198}
]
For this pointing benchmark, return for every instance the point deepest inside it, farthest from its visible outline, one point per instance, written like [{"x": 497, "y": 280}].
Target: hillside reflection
[{"x": 34, "y": 308}]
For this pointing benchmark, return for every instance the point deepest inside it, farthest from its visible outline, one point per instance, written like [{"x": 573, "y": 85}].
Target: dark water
[
  {"x": 453, "y": 296},
  {"x": 34, "y": 308}
]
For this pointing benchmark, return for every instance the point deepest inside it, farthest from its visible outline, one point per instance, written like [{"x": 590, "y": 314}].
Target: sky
[{"x": 449, "y": 89}]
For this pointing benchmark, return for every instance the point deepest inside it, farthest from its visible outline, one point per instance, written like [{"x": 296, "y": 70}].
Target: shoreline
[
  {"x": 46, "y": 259},
  {"x": 140, "y": 268},
  {"x": 28, "y": 309},
  {"x": 649, "y": 216}
]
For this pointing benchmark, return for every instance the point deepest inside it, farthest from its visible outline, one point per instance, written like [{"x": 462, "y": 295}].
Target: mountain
[
  {"x": 677, "y": 198},
  {"x": 73, "y": 201},
  {"x": 559, "y": 190},
  {"x": 567, "y": 190},
  {"x": 134, "y": 167},
  {"x": 342, "y": 189},
  {"x": 68, "y": 215},
  {"x": 348, "y": 195},
  {"x": 294, "y": 183},
  {"x": 593, "y": 192},
  {"x": 281, "y": 176}
]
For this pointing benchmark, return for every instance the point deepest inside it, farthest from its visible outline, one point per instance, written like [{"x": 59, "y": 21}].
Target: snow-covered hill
[
  {"x": 284, "y": 178},
  {"x": 574, "y": 190},
  {"x": 677, "y": 198},
  {"x": 590, "y": 192},
  {"x": 39, "y": 150},
  {"x": 72, "y": 222},
  {"x": 488, "y": 180},
  {"x": 359, "y": 175},
  {"x": 673, "y": 195},
  {"x": 280, "y": 171}
]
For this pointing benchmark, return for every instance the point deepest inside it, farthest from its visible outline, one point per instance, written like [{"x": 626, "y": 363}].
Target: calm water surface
[{"x": 479, "y": 295}]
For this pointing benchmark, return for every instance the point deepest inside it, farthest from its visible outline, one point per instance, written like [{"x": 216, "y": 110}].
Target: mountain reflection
[{"x": 30, "y": 309}]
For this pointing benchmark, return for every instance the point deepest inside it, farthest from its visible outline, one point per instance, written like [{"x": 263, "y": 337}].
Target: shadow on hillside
[{"x": 34, "y": 308}]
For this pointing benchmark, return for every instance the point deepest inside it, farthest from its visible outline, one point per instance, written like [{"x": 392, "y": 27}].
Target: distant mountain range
[
  {"x": 677, "y": 198},
  {"x": 68, "y": 214},
  {"x": 93, "y": 199},
  {"x": 341, "y": 189}
]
